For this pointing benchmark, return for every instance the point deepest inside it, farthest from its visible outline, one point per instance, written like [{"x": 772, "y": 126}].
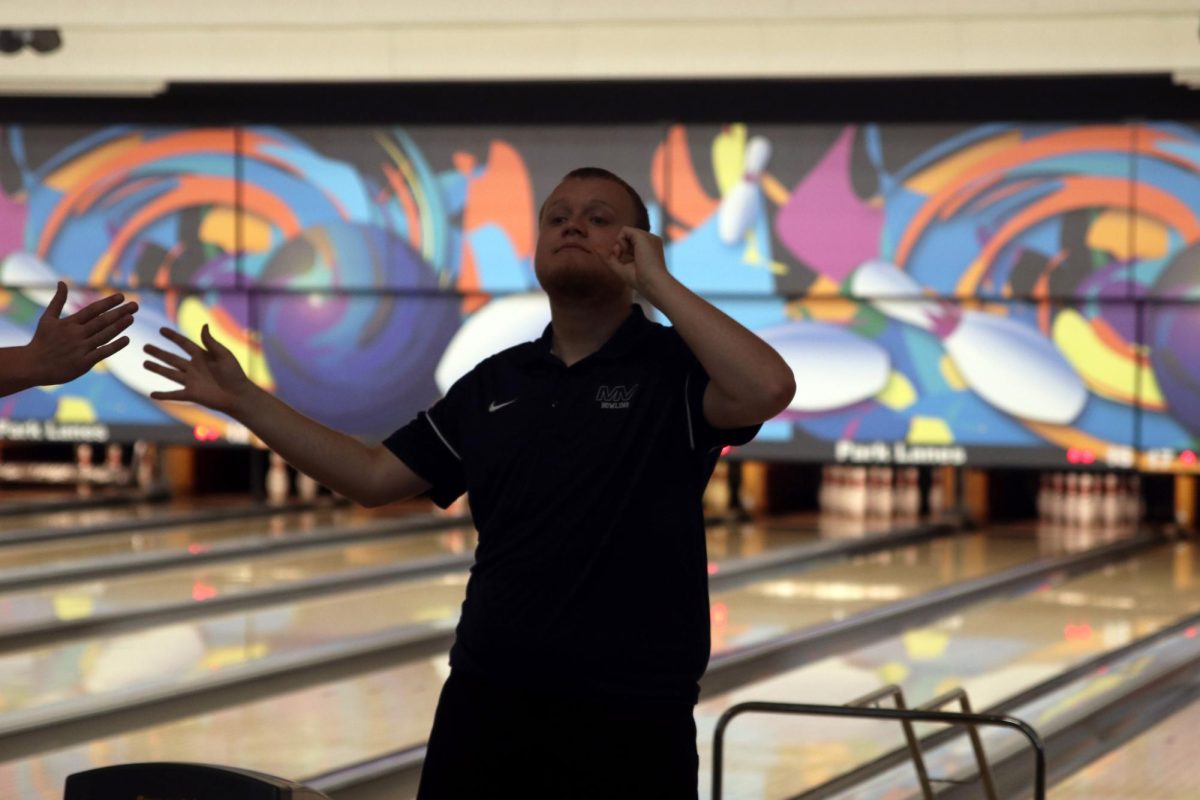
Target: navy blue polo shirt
[{"x": 585, "y": 483}]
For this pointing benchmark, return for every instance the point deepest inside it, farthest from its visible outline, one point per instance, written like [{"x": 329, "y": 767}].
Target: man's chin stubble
[{"x": 580, "y": 287}]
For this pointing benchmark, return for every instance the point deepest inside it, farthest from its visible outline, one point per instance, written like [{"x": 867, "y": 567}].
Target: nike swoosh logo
[{"x": 497, "y": 406}]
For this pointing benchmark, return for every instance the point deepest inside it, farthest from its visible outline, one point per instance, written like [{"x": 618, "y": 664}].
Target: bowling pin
[
  {"x": 937, "y": 495},
  {"x": 112, "y": 464},
  {"x": 1043, "y": 497},
  {"x": 895, "y": 293},
  {"x": 1071, "y": 500},
  {"x": 145, "y": 464},
  {"x": 277, "y": 479},
  {"x": 835, "y": 484},
  {"x": 869, "y": 505},
  {"x": 829, "y": 493},
  {"x": 885, "y": 501},
  {"x": 873, "y": 487},
  {"x": 1058, "y": 496},
  {"x": 306, "y": 487},
  {"x": 741, "y": 205},
  {"x": 835, "y": 489},
  {"x": 1006, "y": 363},
  {"x": 83, "y": 468},
  {"x": 823, "y": 490},
  {"x": 849, "y": 491},
  {"x": 716, "y": 493},
  {"x": 858, "y": 507},
  {"x": 1111, "y": 504},
  {"x": 1087, "y": 500}
]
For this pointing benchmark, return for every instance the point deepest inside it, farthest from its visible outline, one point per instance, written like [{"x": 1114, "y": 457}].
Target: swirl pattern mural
[{"x": 1002, "y": 293}]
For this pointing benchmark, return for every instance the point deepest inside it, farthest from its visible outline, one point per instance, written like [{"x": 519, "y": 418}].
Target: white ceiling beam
[
  {"x": 795, "y": 39},
  {"x": 343, "y": 13}
]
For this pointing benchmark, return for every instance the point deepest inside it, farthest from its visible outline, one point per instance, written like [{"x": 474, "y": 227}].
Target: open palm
[
  {"x": 64, "y": 348},
  {"x": 210, "y": 376}
]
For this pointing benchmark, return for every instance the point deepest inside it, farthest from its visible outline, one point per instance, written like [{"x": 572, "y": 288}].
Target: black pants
[{"x": 491, "y": 742}]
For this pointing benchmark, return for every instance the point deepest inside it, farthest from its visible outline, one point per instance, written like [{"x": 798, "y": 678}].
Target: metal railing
[
  {"x": 959, "y": 695},
  {"x": 862, "y": 709},
  {"x": 910, "y": 737}
]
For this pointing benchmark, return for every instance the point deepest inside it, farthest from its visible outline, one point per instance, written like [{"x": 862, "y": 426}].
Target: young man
[
  {"x": 64, "y": 348},
  {"x": 585, "y": 454}
]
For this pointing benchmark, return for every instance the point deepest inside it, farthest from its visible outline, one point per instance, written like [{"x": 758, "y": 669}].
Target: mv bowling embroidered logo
[{"x": 616, "y": 397}]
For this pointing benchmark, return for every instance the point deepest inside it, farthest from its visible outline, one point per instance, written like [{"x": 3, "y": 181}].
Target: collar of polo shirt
[{"x": 626, "y": 336}]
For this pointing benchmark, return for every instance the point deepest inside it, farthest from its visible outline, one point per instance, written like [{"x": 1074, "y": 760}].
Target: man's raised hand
[
  {"x": 210, "y": 376},
  {"x": 63, "y": 348},
  {"x": 637, "y": 256}
]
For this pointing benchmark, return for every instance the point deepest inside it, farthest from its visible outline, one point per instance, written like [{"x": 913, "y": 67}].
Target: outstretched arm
[
  {"x": 64, "y": 348},
  {"x": 211, "y": 376},
  {"x": 749, "y": 382}
]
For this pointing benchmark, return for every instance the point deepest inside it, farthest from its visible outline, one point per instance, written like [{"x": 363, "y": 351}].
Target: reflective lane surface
[
  {"x": 1055, "y": 711},
  {"x": 216, "y": 579},
  {"x": 71, "y": 518},
  {"x": 727, "y": 543},
  {"x": 1163, "y": 763},
  {"x": 52, "y": 678},
  {"x": 782, "y": 604},
  {"x": 178, "y": 652},
  {"x": 298, "y": 734},
  {"x": 356, "y": 718},
  {"x": 195, "y": 538},
  {"x": 993, "y": 650}
]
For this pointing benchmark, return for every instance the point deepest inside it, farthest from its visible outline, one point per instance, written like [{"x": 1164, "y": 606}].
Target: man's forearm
[
  {"x": 331, "y": 457},
  {"x": 16, "y": 371},
  {"x": 742, "y": 366}
]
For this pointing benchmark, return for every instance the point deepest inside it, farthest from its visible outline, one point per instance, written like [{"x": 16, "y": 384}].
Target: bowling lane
[
  {"x": 52, "y": 679},
  {"x": 994, "y": 650},
  {"x": 746, "y": 539},
  {"x": 64, "y": 673},
  {"x": 727, "y": 544},
  {"x": 68, "y": 518},
  {"x": 56, "y": 677},
  {"x": 32, "y": 501},
  {"x": 203, "y": 582},
  {"x": 299, "y": 734},
  {"x": 195, "y": 538},
  {"x": 788, "y": 602},
  {"x": 1161, "y": 763}
]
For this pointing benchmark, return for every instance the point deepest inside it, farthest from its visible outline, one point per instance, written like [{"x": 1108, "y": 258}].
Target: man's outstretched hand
[
  {"x": 210, "y": 376},
  {"x": 63, "y": 348}
]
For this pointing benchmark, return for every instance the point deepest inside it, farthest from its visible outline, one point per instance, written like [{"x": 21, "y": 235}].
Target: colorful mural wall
[{"x": 993, "y": 293}]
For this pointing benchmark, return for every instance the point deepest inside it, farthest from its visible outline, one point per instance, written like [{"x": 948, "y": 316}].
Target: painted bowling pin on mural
[
  {"x": 501, "y": 324},
  {"x": 37, "y": 280},
  {"x": 742, "y": 204},
  {"x": 835, "y": 366},
  {"x": 1005, "y": 362}
]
